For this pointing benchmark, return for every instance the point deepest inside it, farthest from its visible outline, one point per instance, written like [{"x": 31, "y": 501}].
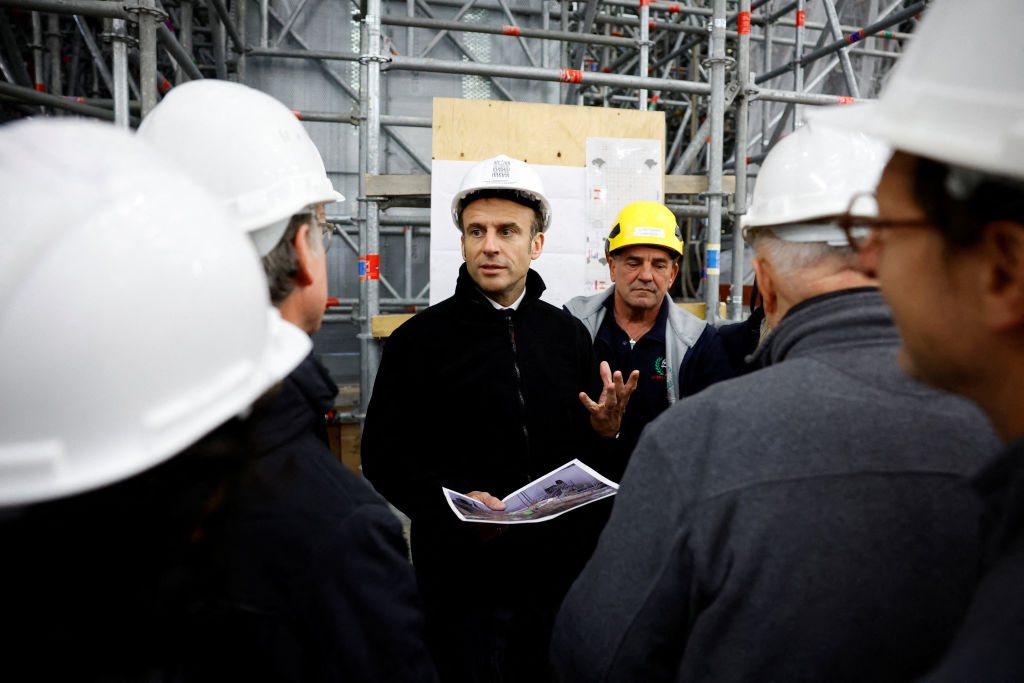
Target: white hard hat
[
  {"x": 811, "y": 175},
  {"x": 503, "y": 173},
  {"x": 247, "y": 148},
  {"x": 957, "y": 93},
  {"x": 133, "y": 318}
]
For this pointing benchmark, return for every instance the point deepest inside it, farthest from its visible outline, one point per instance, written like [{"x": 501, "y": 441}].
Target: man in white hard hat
[
  {"x": 120, "y": 444},
  {"x": 636, "y": 325},
  {"x": 481, "y": 394},
  {"x": 827, "y": 530},
  {"x": 321, "y": 584},
  {"x": 948, "y": 249}
]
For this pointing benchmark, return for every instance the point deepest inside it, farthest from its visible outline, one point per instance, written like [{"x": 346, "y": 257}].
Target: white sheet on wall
[
  {"x": 584, "y": 203},
  {"x": 619, "y": 171},
  {"x": 561, "y": 263}
]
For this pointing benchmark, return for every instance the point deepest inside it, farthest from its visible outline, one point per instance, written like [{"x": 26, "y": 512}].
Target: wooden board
[
  {"x": 550, "y": 134},
  {"x": 383, "y": 325}
]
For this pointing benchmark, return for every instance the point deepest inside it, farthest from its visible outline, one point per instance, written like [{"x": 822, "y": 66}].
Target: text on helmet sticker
[
  {"x": 500, "y": 169},
  {"x": 649, "y": 232}
]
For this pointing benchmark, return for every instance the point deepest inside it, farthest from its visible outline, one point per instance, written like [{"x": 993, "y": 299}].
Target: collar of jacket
[
  {"x": 847, "y": 316},
  {"x": 467, "y": 291},
  {"x": 301, "y": 402}
]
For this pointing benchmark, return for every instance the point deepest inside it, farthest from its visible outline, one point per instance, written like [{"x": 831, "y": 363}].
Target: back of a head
[
  {"x": 247, "y": 148},
  {"x": 810, "y": 177},
  {"x": 805, "y": 183},
  {"x": 133, "y": 301},
  {"x": 507, "y": 178}
]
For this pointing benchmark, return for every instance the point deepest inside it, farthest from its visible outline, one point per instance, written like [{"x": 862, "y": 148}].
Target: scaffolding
[{"x": 732, "y": 77}]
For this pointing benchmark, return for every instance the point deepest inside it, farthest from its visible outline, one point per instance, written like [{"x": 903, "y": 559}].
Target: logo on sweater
[{"x": 660, "y": 366}]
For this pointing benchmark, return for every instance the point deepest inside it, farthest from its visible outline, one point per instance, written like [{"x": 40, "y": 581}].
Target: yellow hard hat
[{"x": 645, "y": 224}]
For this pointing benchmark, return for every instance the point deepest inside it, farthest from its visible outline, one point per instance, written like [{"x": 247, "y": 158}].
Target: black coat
[
  {"x": 471, "y": 398},
  {"x": 254, "y": 555},
  {"x": 318, "y": 583},
  {"x": 988, "y": 646}
]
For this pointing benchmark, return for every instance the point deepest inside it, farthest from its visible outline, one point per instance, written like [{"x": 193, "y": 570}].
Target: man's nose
[
  {"x": 646, "y": 272},
  {"x": 490, "y": 242}
]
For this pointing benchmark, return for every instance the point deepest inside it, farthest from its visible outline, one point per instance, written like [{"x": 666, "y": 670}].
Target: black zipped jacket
[
  {"x": 318, "y": 585},
  {"x": 476, "y": 399}
]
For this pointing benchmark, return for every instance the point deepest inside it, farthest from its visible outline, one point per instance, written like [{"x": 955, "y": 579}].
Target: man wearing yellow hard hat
[{"x": 636, "y": 326}]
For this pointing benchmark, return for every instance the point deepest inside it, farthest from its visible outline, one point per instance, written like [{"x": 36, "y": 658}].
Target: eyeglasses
[
  {"x": 327, "y": 231},
  {"x": 861, "y": 220}
]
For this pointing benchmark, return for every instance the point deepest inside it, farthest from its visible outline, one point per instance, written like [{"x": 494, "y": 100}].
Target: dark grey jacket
[{"x": 810, "y": 521}]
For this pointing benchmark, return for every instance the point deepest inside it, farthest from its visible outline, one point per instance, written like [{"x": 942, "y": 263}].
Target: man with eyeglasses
[
  {"x": 948, "y": 250},
  {"x": 318, "y": 584},
  {"x": 811, "y": 520}
]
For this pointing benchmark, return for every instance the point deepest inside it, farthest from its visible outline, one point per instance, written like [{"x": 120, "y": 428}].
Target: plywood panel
[
  {"x": 550, "y": 134},
  {"x": 383, "y": 325}
]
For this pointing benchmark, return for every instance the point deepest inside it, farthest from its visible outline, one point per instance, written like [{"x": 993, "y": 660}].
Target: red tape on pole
[
  {"x": 743, "y": 23},
  {"x": 510, "y": 30},
  {"x": 801, "y": 18},
  {"x": 571, "y": 76},
  {"x": 846, "y": 99}
]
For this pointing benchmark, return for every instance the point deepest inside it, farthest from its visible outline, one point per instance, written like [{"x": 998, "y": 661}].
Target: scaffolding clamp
[
  {"x": 380, "y": 59},
  {"x": 710, "y": 61},
  {"x": 137, "y": 8}
]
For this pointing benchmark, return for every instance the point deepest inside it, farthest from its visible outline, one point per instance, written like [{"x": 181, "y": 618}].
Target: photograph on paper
[{"x": 566, "y": 488}]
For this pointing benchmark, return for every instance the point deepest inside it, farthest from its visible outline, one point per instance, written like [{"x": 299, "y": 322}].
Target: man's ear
[
  {"x": 766, "y": 284},
  {"x": 611, "y": 268},
  {"x": 536, "y": 245},
  {"x": 305, "y": 256},
  {"x": 1002, "y": 250},
  {"x": 462, "y": 242}
]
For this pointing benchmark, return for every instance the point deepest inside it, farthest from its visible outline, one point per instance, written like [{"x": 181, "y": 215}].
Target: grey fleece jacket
[
  {"x": 809, "y": 521},
  {"x": 681, "y": 334}
]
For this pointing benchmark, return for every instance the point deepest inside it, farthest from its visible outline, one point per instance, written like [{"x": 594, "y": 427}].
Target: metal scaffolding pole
[
  {"x": 147, "y": 54},
  {"x": 53, "y": 47},
  {"x": 645, "y": 44},
  {"x": 94, "y": 50},
  {"x": 340, "y": 82},
  {"x": 37, "y": 52},
  {"x": 177, "y": 51},
  {"x": 371, "y": 262},
  {"x": 844, "y": 54},
  {"x": 521, "y": 32},
  {"x": 560, "y": 75},
  {"x": 734, "y": 306},
  {"x": 229, "y": 26},
  {"x": 120, "y": 49},
  {"x": 72, "y": 104},
  {"x": 798, "y": 51},
  {"x": 716, "y": 114},
  {"x": 857, "y": 36}
]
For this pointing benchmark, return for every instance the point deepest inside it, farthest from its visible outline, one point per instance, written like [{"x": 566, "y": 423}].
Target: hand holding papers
[{"x": 568, "y": 487}]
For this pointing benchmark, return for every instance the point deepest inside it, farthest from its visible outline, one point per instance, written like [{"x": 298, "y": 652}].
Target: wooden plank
[
  {"x": 418, "y": 185},
  {"x": 695, "y": 184},
  {"x": 398, "y": 185},
  {"x": 549, "y": 134},
  {"x": 700, "y": 309},
  {"x": 383, "y": 325}
]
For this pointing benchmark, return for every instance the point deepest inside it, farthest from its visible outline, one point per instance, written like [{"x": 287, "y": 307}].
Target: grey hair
[
  {"x": 786, "y": 256},
  {"x": 281, "y": 264}
]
